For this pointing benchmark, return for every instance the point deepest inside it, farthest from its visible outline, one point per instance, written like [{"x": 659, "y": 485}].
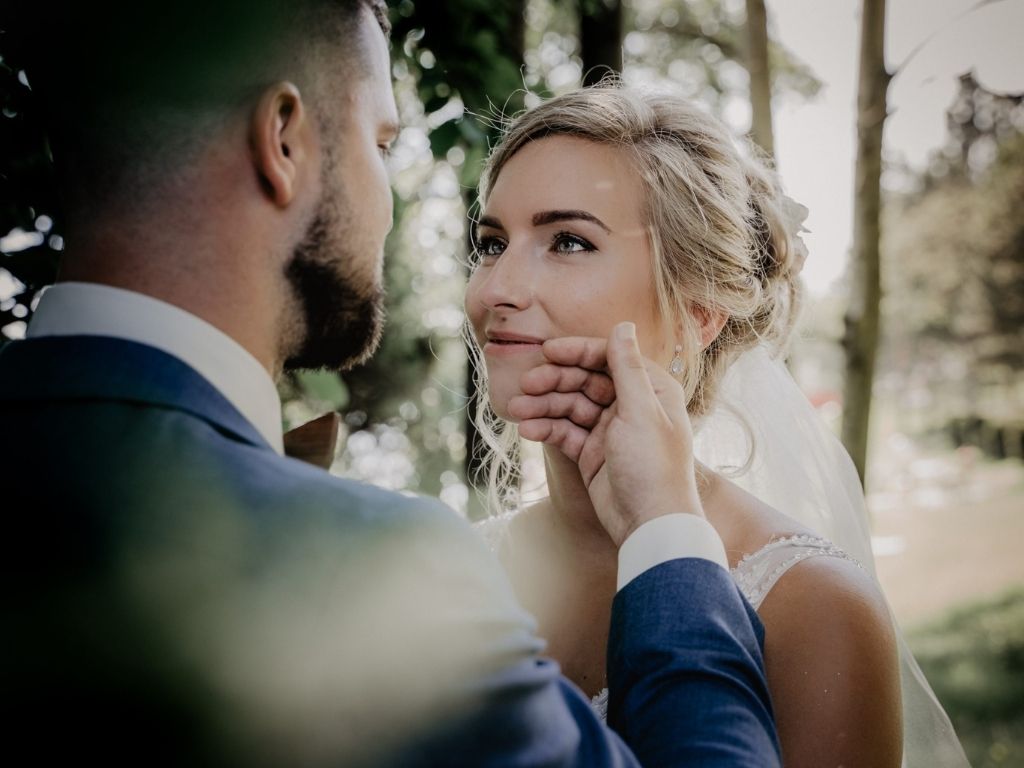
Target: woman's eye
[
  {"x": 490, "y": 247},
  {"x": 568, "y": 243}
]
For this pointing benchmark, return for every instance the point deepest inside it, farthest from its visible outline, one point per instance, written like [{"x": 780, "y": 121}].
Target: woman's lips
[{"x": 511, "y": 345}]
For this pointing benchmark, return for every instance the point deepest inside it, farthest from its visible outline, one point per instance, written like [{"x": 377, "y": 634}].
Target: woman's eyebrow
[
  {"x": 490, "y": 222},
  {"x": 550, "y": 217}
]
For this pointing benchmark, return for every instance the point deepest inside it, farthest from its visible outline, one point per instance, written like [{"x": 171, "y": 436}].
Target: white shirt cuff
[{"x": 665, "y": 538}]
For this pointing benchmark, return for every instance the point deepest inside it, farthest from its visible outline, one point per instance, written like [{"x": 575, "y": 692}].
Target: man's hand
[{"x": 622, "y": 419}]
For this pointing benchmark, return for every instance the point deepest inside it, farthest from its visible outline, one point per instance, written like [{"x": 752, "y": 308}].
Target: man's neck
[
  {"x": 75, "y": 308},
  {"x": 236, "y": 307}
]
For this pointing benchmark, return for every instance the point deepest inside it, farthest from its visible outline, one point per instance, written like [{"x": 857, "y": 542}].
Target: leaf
[
  {"x": 326, "y": 387},
  {"x": 444, "y": 137}
]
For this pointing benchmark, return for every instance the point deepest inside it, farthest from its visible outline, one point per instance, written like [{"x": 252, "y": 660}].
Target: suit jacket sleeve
[{"x": 686, "y": 674}]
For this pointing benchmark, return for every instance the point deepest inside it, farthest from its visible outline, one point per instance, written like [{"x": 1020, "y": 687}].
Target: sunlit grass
[{"x": 974, "y": 659}]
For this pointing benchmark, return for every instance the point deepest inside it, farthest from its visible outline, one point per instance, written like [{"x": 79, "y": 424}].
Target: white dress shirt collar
[{"x": 74, "y": 309}]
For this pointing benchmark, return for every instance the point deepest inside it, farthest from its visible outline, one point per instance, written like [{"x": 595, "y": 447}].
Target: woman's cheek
[{"x": 500, "y": 390}]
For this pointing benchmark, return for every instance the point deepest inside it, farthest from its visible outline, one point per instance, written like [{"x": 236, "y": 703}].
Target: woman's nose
[{"x": 508, "y": 284}]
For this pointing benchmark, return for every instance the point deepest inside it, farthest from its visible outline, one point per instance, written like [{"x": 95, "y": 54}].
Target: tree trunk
[
  {"x": 601, "y": 25},
  {"x": 860, "y": 339},
  {"x": 760, "y": 77}
]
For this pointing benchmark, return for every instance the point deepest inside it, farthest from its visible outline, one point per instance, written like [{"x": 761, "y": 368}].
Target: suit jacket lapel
[{"x": 105, "y": 368}]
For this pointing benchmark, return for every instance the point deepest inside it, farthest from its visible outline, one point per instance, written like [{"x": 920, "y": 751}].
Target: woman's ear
[
  {"x": 283, "y": 140},
  {"x": 710, "y": 323}
]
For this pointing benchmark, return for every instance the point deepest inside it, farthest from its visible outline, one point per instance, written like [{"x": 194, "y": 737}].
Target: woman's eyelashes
[
  {"x": 562, "y": 243},
  {"x": 489, "y": 246},
  {"x": 566, "y": 242}
]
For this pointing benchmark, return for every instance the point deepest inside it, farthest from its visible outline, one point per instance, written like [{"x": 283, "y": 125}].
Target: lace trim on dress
[
  {"x": 600, "y": 705},
  {"x": 758, "y": 572},
  {"x": 494, "y": 530}
]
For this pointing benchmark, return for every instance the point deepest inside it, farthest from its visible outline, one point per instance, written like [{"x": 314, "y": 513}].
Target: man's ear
[
  {"x": 710, "y": 323},
  {"x": 283, "y": 142}
]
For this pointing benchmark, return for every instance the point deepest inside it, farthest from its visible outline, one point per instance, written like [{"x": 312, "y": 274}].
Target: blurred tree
[
  {"x": 697, "y": 47},
  {"x": 760, "y": 77},
  {"x": 467, "y": 51},
  {"x": 601, "y": 30},
  {"x": 860, "y": 336},
  {"x": 978, "y": 121},
  {"x": 954, "y": 262},
  {"x": 700, "y": 47}
]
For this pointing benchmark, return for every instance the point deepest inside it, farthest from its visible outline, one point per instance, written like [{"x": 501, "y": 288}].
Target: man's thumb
[{"x": 626, "y": 364}]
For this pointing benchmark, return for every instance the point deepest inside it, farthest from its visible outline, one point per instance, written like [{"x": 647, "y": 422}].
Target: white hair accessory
[{"x": 794, "y": 214}]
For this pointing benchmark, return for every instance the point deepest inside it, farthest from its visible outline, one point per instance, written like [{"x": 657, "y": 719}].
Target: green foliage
[
  {"x": 953, "y": 269},
  {"x": 471, "y": 50},
  {"x": 974, "y": 660},
  {"x": 954, "y": 310},
  {"x": 698, "y": 47},
  {"x": 28, "y": 199},
  {"x": 324, "y": 388},
  {"x": 701, "y": 45}
]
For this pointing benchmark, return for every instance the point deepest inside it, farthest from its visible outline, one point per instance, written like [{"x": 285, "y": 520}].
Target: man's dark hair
[{"x": 132, "y": 88}]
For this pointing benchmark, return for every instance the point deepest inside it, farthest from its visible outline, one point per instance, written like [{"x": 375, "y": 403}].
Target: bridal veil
[{"x": 764, "y": 435}]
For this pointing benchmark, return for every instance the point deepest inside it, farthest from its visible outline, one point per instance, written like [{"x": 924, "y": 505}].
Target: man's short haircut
[{"x": 131, "y": 89}]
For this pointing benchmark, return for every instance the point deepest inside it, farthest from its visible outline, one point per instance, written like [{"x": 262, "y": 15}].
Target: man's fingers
[
  {"x": 634, "y": 391},
  {"x": 592, "y": 455},
  {"x": 597, "y": 386},
  {"x": 556, "y": 405},
  {"x": 559, "y": 433},
  {"x": 580, "y": 351},
  {"x": 668, "y": 391}
]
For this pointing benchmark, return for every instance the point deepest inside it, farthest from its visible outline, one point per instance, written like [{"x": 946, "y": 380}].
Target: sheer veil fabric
[{"x": 765, "y": 436}]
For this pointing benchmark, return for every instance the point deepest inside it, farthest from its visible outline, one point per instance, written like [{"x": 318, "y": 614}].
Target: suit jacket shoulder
[
  {"x": 150, "y": 505},
  {"x": 179, "y": 591}
]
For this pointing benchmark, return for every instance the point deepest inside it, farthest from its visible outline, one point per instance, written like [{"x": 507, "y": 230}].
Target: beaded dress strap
[{"x": 758, "y": 572}]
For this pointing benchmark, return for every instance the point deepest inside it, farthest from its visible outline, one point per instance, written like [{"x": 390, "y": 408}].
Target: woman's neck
[
  {"x": 567, "y": 523},
  {"x": 572, "y": 511}
]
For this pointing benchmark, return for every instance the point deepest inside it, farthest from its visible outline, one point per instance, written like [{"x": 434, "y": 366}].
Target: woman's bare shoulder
[
  {"x": 830, "y": 646},
  {"x": 833, "y": 665},
  {"x": 836, "y": 588}
]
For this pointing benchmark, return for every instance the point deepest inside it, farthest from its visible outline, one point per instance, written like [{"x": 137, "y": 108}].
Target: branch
[{"x": 917, "y": 49}]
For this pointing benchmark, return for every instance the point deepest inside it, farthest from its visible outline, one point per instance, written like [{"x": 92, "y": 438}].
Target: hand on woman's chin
[{"x": 499, "y": 404}]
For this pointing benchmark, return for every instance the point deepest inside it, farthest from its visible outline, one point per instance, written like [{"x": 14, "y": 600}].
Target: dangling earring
[{"x": 676, "y": 366}]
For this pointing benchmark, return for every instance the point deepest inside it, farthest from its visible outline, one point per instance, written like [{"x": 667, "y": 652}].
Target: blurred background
[{"x": 898, "y": 123}]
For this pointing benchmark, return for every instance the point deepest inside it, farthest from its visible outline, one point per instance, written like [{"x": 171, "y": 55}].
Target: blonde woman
[{"x": 610, "y": 204}]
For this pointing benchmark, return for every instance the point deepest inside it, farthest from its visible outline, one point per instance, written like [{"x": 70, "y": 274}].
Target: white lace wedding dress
[
  {"x": 767, "y": 438},
  {"x": 755, "y": 574}
]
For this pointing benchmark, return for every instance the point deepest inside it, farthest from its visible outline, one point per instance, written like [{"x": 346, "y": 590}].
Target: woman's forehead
[{"x": 566, "y": 172}]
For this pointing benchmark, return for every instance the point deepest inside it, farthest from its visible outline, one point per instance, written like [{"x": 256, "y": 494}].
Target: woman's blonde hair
[{"x": 718, "y": 230}]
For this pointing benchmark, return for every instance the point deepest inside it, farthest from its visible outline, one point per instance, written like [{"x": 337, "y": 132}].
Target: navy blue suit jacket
[{"x": 178, "y": 593}]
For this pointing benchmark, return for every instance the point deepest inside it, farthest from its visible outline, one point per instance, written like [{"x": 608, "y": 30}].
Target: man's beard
[{"x": 342, "y": 319}]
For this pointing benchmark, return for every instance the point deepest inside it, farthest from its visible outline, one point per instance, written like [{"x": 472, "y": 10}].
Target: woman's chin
[{"x": 499, "y": 404}]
